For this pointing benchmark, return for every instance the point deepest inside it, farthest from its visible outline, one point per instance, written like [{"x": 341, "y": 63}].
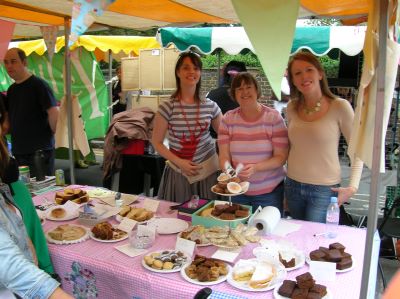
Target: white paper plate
[
  {"x": 299, "y": 257},
  {"x": 308, "y": 260},
  {"x": 277, "y": 296},
  {"x": 68, "y": 216},
  {"x": 108, "y": 241},
  {"x": 205, "y": 283},
  {"x": 81, "y": 239},
  {"x": 166, "y": 226},
  {"x": 198, "y": 245},
  {"x": 236, "y": 219},
  {"x": 161, "y": 270},
  {"x": 243, "y": 285}
]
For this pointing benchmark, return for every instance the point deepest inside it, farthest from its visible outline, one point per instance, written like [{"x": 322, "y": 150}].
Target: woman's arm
[
  {"x": 160, "y": 129},
  {"x": 216, "y": 122}
]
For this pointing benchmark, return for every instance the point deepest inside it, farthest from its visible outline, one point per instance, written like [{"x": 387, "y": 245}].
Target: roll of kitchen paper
[{"x": 266, "y": 220}]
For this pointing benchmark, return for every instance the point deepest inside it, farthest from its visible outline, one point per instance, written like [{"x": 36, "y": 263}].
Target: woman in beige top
[{"x": 316, "y": 118}]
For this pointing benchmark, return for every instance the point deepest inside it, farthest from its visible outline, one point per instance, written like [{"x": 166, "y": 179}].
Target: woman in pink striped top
[{"x": 256, "y": 136}]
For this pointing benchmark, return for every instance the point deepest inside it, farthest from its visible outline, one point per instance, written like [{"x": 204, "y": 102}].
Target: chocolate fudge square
[
  {"x": 317, "y": 255},
  {"x": 299, "y": 293},
  {"x": 346, "y": 255},
  {"x": 311, "y": 295},
  {"x": 305, "y": 281},
  {"x": 344, "y": 263},
  {"x": 319, "y": 289},
  {"x": 334, "y": 256},
  {"x": 287, "y": 288},
  {"x": 337, "y": 246},
  {"x": 324, "y": 249},
  {"x": 288, "y": 264}
]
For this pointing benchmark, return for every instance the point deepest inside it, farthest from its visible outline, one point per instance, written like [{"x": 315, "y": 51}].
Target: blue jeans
[
  {"x": 308, "y": 202},
  {"x": 274, "y": 198}
]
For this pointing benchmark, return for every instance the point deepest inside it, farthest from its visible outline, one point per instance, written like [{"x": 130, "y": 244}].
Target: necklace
[{"x": 312, "y": 110}]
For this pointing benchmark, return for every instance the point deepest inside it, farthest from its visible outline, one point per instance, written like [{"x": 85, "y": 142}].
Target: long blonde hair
[{"x": 295, "y": 94}]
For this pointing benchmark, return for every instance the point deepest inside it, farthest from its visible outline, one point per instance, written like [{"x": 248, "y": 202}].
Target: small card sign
[
  {"x": 185, "y": 246},
  {"x": 130, "y": 251},
  {"x": 147, "y": 230},
  {"x": 127, "y": 225},
  {"x": 220, "y": 202},
  {"x": 227, "y": 256},
  {"x": 323, "y": 271},
  {"x": 151, "y": 204},
  {"x": 71, "y": 207}
]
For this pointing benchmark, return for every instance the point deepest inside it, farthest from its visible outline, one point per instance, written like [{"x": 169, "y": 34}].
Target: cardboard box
[
  {"x": 211, "y": 221},
  {"x": 185, "y": 212}
]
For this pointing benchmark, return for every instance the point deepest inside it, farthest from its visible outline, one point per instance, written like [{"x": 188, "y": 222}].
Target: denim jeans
[
  {"x": 308, "y": 202},
  {"x": 274, "y": 198}
]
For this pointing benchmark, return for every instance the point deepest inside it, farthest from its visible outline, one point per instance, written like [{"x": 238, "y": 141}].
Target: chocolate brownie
[
  {"x": 312, "y": 295},
  {"x": 337, "y": 246},
  {"x": 317, "y": 255},
  {"x": 334, "y": 256},
  {"x": 227, "y": 216},
  {"x": 344, "y": 263},
  {"x": 324, "y": 249},
  {"x": 299, "y": 293},
  {"x": 346, "y": 255},
  {"x": 319, "y": 289},
  {"x": 305, "y": 281},
  {"x": 241, "y": 213},
  {"x": 287, "y": 288},
  {"x": 287, "y": 263}
]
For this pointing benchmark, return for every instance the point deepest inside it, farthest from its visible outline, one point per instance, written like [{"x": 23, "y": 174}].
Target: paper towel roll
[{"x": 266, "y": 220}]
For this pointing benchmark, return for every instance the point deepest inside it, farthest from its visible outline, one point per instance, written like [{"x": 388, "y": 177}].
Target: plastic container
[
  {"x": 332, "y": 218},
  {"x": 24, "y": 175}
]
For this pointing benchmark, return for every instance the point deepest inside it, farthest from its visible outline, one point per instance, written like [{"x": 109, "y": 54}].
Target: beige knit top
[{"x": 313, "y": 155}]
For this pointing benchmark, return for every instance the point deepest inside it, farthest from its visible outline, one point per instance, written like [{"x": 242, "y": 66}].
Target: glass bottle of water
[{"x": 332, "y": 218}]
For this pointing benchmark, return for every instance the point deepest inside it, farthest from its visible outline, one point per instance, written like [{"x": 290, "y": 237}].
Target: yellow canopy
[{"x": 127, "y": 44}]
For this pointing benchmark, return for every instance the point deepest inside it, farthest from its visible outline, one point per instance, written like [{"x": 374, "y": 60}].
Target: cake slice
[{"x": 262, "y": 276}]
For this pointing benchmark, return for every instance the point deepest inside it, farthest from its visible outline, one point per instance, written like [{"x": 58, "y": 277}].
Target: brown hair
[
  {"x": 4, "y": 157},
  {"x": 247, "y": 78},
  {"x": 197, "y": 62},
  {"x": 295, "y": 94}
]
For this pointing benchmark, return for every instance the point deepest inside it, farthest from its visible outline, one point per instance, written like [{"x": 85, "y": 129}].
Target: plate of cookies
[
  {"x": 67, "y": 234},
  {"x": 59, "y": 213},
  {"x": 205, "y": 271},
  {"x": 304, "y": 286},
  {"x": 77, "y": 195},
  {"x": 107, "y": 233},
  {"x": 165, "y": 261},
  {"x": 138, "y": 214},
  {"x": 228, "y": 185},
  {"x": 335, "y": 253},
  {"x": 197, "y": 234}
]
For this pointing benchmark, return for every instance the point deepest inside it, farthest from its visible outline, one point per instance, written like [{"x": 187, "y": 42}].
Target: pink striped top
[{"x": 252, "y": 142}]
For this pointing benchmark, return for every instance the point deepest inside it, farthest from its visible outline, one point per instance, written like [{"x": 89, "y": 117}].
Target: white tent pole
[
  {"x": 67, "y": 79},
  {"x": 377, "y": 147},
  {"x": 110, "y": 86}
]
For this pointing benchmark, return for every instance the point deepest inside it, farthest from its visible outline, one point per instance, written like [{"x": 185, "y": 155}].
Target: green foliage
[
  {"x": 331, "y": 66},
  {"x": 250, "y": 59}
]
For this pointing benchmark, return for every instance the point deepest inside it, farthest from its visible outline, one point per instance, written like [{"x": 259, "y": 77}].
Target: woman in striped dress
[
  {"x": 256, "y": 136},
  {"x": 192, "y": 163}
]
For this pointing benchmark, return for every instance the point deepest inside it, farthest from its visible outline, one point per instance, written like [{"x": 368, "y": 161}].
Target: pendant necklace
[{"x": 312, "y": 110}]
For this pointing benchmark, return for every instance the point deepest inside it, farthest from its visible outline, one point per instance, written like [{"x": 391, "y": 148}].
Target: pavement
[{"x": 358, "y": 208}]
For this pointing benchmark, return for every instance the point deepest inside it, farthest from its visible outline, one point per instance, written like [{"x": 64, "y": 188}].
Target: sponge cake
[{"x": 262, "y": 275}]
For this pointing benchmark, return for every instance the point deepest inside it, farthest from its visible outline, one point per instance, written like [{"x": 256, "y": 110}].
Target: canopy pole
[
  {"x": 219, "y": 66},
  {"x": 67, "y": 57},
  {"x": 110, "y": 76},
  {"x": 376, "y": 154}
]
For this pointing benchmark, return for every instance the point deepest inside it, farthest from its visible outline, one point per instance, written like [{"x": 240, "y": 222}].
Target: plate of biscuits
[
  {"x": 77, "y": 195},
  {"x": 59, "y": 213},
  {"x": 107, "y": 233},
  {"x": 165, "y": 261},
  {"x": 67, "y": 234},
  {"x": 138, "y": 214},
  {"x": 205, "y": 271}
]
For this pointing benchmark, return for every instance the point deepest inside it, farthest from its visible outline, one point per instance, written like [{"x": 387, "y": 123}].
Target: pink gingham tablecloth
[{"x": 92, "y": 269}]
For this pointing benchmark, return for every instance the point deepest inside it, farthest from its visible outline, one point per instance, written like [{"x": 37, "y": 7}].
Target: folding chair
[{"x": 390, "y": 227}]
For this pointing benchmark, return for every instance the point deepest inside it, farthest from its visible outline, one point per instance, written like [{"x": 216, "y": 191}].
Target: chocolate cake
[
  {"x": 287, "y": 288},
  {"x": 305, "y": 281}
]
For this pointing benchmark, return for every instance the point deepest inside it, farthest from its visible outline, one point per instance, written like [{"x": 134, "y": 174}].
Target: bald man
[{"x": 32, "y": 113}]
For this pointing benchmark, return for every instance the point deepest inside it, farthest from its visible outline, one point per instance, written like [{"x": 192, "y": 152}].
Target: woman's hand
[
  {"x": 247, "y": 171},
  {"x": 344, "y": 194},
  {"x": 188, "y": 167}
]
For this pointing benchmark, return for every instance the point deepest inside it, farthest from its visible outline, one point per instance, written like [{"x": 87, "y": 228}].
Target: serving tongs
[{"x": 231, "y": 171}]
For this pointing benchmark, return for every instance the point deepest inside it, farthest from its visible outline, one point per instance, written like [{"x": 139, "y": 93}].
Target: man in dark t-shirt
[{"x": 32, "y": 112}]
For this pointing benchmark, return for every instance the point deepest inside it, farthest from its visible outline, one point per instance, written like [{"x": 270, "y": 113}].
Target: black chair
[{"x": 389, "y": 228}]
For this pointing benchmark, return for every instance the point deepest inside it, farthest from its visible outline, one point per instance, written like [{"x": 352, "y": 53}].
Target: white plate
[
  {"x": 337, "y": 271},
  {"x": 68, "y": 216},
  {"x": 160, "y": 270},
  {"x": 230, "y": 194},
  {"x": 166, "y": 226},
  {"x": 243, "y": 285},
  {"x": 81, "y": 239},
  {"x": 299, "y": 256},
  {"x": 198, "y": 245},
  {"x": 119, "y": 218},
  {"x": 205, "y": 283},
  {"x": 108, "y": 241},
  {"x": 236, "y": 219},
  {"x": 277, "y": 296}
]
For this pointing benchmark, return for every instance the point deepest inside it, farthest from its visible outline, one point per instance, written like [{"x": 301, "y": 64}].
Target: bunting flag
[
  {"x": 83, "y": 15},
  {"x": 7, "y": 29},
  {"x": 50, "y": 38}
]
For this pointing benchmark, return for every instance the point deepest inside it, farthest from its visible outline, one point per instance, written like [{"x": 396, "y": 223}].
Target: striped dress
[{"x": 252, "y": 142}]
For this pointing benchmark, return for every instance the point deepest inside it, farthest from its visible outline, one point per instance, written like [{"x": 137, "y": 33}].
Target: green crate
[{"x": 391, "y": 193}]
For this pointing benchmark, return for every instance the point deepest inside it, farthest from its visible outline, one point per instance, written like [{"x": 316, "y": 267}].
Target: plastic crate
[{"x": 391, "y": 193}]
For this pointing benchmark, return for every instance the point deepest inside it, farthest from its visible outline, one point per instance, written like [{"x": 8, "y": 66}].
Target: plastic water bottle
[
  {"x": 118, "y": 200},
  {"x": 332, "y": 218}
]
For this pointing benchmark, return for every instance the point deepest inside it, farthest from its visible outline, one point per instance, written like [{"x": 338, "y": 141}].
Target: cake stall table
[{"x": 92, "y": 269}]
